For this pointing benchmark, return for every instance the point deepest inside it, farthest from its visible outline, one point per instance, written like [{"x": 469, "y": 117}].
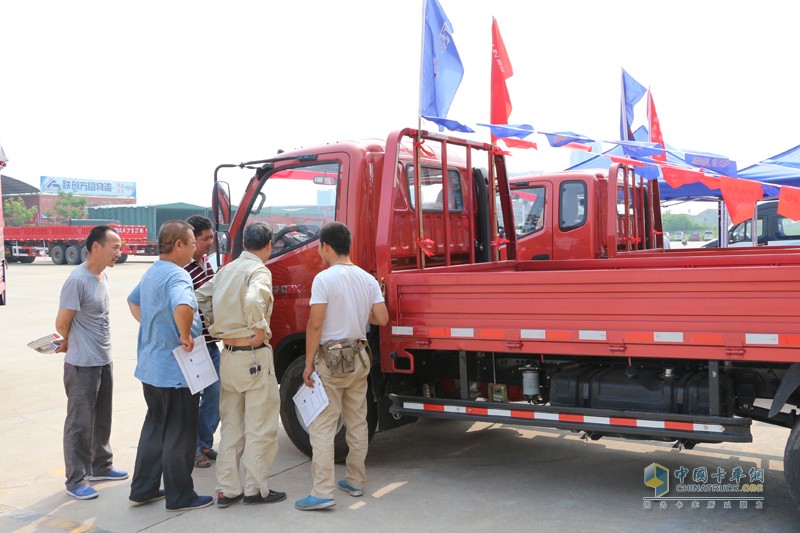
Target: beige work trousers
[
  {"x": 248, "y": 407},
  {"x": 347, "y": 394}
]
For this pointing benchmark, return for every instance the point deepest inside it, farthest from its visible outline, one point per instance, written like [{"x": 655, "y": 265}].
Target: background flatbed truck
[
  {"x": 66, "y": 244},
  {"x": 604, "y": 333}
]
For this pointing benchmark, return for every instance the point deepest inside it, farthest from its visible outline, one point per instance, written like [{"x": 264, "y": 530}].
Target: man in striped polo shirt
[{"x": 201, "y": 271}]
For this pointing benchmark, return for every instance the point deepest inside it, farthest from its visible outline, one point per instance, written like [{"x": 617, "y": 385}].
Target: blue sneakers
[
  {"x": 84, "y": 492},
  {"x": 113, "y": 475},
  {"x": 349, "y": 489},
  {"x": 198, "y": 503},
  {"x": 310, "y": 503}
]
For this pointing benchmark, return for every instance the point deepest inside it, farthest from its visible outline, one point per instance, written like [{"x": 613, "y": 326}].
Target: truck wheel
[
  {"x": 791, "y": 462},
  {"x": 9, "y": 257},
  {"x": 27, "y": 259},
  {"x": 293, "y": 424},
  {"x": 58, "y": 254},
  {"x": 74, "y": 255},
  {"x": 122, "y": 258},
  {"x": 84, "y": 254}
]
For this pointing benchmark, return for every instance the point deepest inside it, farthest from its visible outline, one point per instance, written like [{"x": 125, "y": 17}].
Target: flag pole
[{"x": 417, "y": 144}]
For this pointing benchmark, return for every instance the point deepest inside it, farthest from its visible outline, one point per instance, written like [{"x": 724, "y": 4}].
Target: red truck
[
  {"x": 67, "y": 244},
  {"x": 3, "y": 261},
  {"x": 594, "y": 329}
]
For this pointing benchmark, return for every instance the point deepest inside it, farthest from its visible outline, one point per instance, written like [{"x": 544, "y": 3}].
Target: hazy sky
[{"x": 162, "y": 92}]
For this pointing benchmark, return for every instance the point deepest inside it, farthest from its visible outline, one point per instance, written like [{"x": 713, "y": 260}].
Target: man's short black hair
[
  {"x": 257, "y": 236},
  {"x": 199, "y": 223},
  {"x": 337, "y": 236},
  {"x": 99, "y": 234}
]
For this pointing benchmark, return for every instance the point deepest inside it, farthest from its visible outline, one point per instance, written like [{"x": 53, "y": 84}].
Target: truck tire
[
  {"x": 122, "y": 258},
  {"x": 293, "y": 424},
  {"x": 73, "y": 255},
  {"x": 7, "y": 251},
  {"x": 28, "y": 259},
  {"x": 58, "y": 254},
  {"x": 791, "y": 462},
  {"x": 84, "y": 254}
]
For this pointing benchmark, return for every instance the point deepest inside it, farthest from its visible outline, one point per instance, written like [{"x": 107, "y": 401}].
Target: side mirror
[
  {"x": 221, "y": 203},
  {"x": 223, "y": 241},
  {"x": 221, "y": 210}
]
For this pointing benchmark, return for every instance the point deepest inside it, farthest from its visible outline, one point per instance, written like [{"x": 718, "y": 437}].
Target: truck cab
[{"x": 565, "y": 215}]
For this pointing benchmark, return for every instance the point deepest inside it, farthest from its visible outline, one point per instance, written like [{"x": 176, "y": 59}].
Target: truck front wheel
[
  {"x": 293, "y": 425},
  {"x": 791, "y": 462},
  {"x": 58, "y": 254},
  {"x": 122, "y": 258}
]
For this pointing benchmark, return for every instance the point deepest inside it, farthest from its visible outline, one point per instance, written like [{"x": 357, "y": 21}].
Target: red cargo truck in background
[
  {"x": 3, "y": 261},
  {"x": 67, "y": 244},
  {"x": 594, "y": 329}
]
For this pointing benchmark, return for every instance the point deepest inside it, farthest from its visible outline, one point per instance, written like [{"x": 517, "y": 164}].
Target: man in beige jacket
[{"x": 237, "y": 304}]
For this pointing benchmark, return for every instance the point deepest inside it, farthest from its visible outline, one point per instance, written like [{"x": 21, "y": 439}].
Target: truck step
[{"x": 595, "y": 421}]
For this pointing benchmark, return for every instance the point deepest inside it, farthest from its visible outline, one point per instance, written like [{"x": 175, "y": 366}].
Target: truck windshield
[{"x": 296, "y": 203}]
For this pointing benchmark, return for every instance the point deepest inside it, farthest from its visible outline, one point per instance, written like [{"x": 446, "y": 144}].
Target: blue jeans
[{"x": 208, "y": 417}]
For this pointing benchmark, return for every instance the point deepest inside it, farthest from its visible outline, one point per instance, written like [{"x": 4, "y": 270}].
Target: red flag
[
  {"x": 789, "y": 203},
  {"x": 655, "y": 127},
  {"x": 740, "y": 197},
  {"x": 578, "y": 146},
  {"x": 519, "y": 143},
  {"x": 676, "y": 176},
  {"x": 500, "y": 107}
]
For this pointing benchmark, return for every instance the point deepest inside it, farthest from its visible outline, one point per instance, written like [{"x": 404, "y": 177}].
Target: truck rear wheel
[
  {"x": 293, "y": 425},
  {"x": 791, "y": 462},
  {"x": 122, "y": 258},
  {"x": 74, "y": 255},
  {"x": 84, "y": 254},
  {"x": 58, "y": 254}
]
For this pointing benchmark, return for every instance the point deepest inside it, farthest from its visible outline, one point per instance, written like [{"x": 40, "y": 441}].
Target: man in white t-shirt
[{"x": 344, "y": 298}]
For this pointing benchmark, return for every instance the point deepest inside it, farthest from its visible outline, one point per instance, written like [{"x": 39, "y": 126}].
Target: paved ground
[{"x": 429, "y": 476}]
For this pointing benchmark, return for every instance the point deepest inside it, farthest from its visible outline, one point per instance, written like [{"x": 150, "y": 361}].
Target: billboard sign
[{"x": 51, "y": 185}]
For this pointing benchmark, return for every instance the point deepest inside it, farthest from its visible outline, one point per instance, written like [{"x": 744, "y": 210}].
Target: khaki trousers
[
  {"x": 347, "y": 394},
  {"x": 248, "y": 406}
]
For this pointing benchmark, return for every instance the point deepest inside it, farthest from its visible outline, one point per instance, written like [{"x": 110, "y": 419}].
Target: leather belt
[{"x": 242, "y": 348}]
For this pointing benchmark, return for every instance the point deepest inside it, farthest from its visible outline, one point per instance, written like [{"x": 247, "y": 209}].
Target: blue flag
[
  {"x": 632, "y": 92},
  {"x": 452, "y": 125},
  {"x": 717, "y": 163},
  {"x": 502, "y": 131},
  {"x": 441, "y": 67},
  {"x": 563, "y": 138}
]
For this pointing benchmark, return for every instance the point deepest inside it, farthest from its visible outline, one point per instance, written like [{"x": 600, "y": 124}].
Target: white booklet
[
  {"x": 197, "y": 367},
  {"x": 46, "y": 344},
  {"x": 311, "y": 401}
]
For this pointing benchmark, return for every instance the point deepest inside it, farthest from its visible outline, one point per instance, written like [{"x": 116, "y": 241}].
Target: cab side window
[
  {"x": 528, "y": 205},
  {"x": 572, "y": 205}
]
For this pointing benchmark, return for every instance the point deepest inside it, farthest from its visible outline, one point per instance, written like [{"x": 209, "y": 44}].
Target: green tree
[
  {"x": 68, "y": 206},
  {"x": 18, "y": 215},
  {"x": 673, "y": 222}
]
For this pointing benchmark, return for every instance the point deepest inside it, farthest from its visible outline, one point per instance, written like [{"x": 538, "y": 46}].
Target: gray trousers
[{"x": 87, "y": 428}]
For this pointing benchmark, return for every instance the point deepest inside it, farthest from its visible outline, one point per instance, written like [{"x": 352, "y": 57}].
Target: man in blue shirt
[{"x": 165, "y": 306}]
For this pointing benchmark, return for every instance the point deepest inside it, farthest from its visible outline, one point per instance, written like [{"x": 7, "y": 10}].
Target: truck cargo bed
[{"x": 708, "y": 306}]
